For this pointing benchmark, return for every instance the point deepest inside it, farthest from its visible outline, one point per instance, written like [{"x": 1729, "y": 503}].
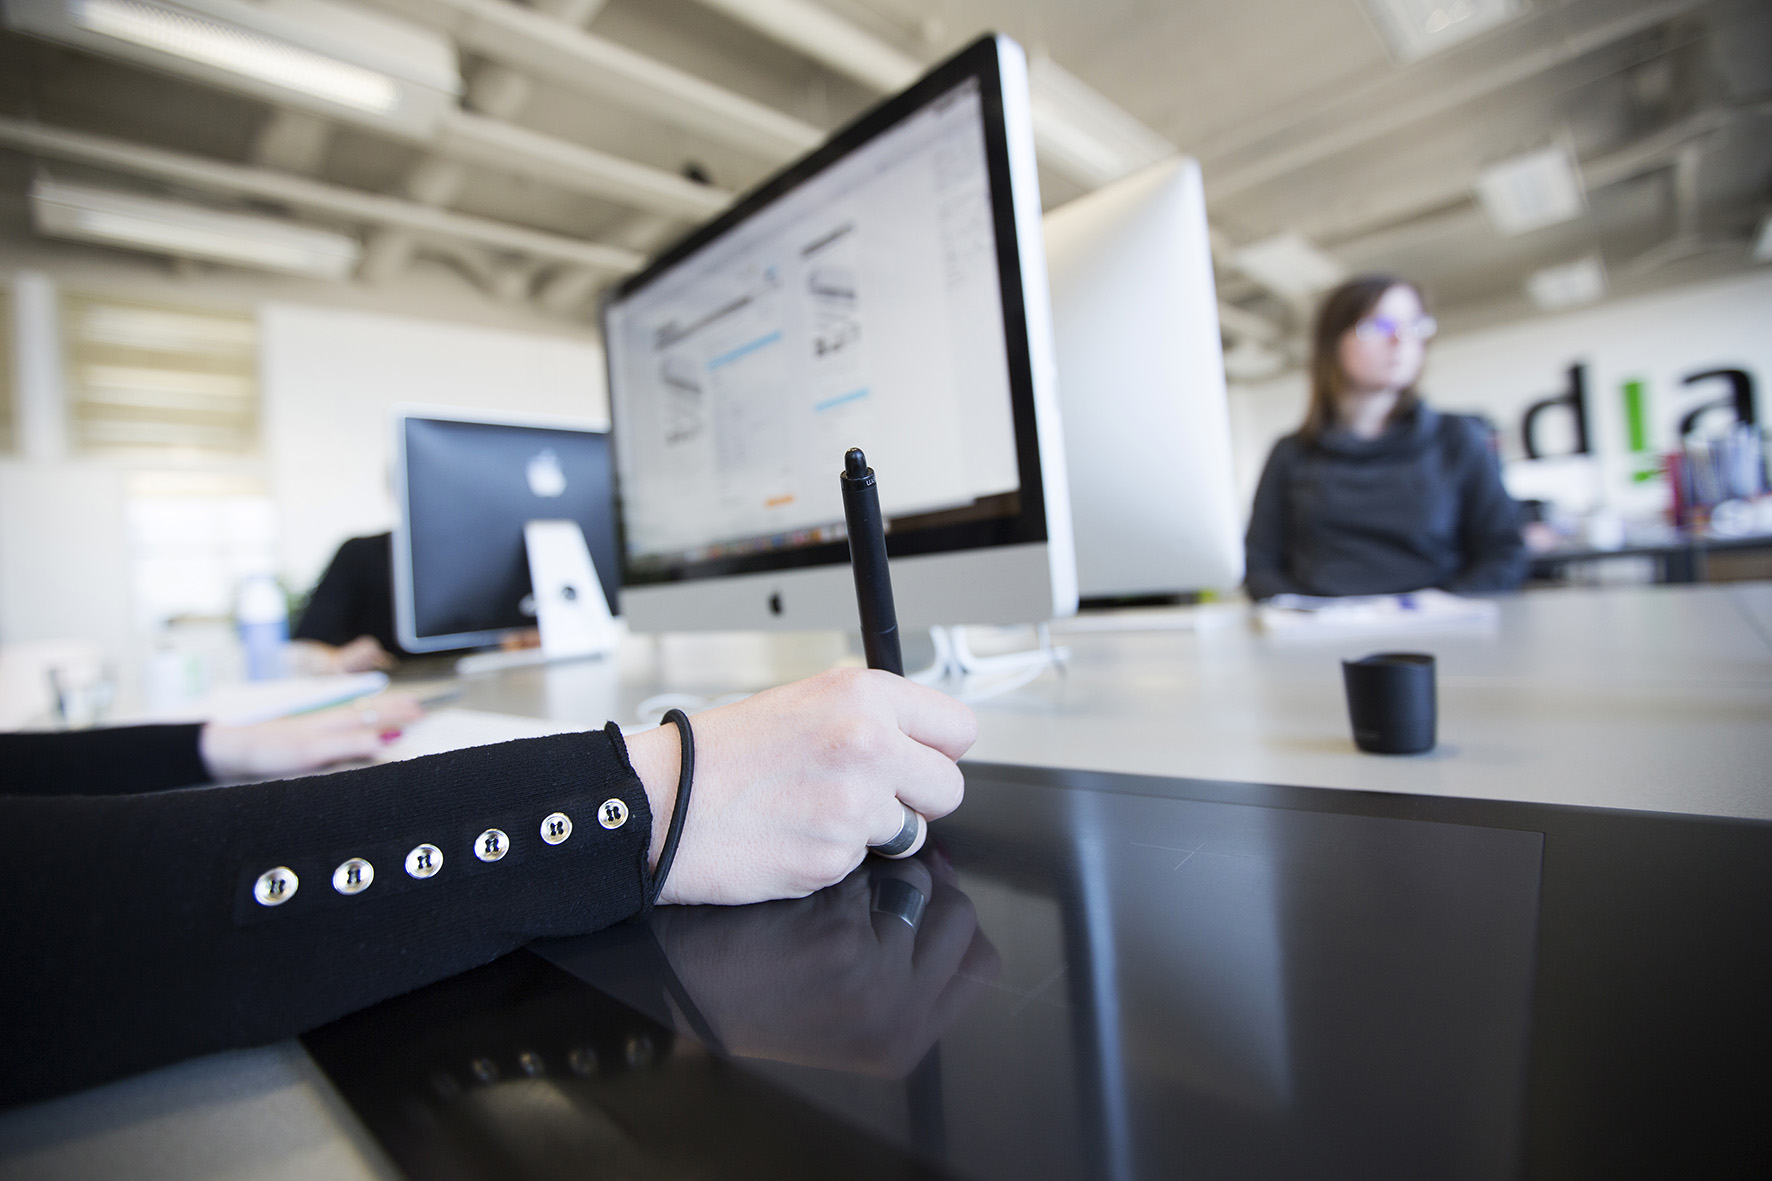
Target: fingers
[
  {"x": 385, "y": 711},
  {"x": 931, "y": 717},
  {"x": 924, "y": 778}
]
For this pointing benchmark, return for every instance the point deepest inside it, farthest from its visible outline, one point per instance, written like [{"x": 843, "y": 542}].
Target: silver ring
[{"x": 899, "y": 845}]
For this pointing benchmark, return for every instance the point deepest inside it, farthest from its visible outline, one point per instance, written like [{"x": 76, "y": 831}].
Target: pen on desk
[
  {"x": 873, "y": 595},
  {"x": 867, "y": 556}
]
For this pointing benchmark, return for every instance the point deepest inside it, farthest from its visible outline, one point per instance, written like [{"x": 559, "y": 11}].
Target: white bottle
[{"x": 263, "y": 616}]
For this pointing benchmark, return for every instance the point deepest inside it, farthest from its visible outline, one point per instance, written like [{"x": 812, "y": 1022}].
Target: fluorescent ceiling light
[
  {"x": 310, "y": 53},
  {"x": 190, "y": 231},
  {"x": 1413, "y": 29},
  {"x": 1569, "y": 285},
  {"x": 208, "y": 43},
  {"x": 1529, "y": 192},
  {"x": 1762, "y": 251},
  {"x": 1289, "y": 264},
  {"x": 1084, "y": 135}
]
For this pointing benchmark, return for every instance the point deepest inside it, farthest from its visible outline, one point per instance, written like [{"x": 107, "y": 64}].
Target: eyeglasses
[{"x": 1386, "y": 328}]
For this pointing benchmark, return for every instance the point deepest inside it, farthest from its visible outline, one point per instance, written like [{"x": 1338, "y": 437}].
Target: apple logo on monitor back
[{"x": 546, "y": 478}]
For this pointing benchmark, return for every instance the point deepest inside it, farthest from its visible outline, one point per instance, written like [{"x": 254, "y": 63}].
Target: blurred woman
[{"x": 1376, "y": 492}]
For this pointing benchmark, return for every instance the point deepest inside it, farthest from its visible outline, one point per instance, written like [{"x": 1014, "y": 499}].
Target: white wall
[
  {"x": 330, "y": 378},
  {"x": 329, "y": 373},
  {"x": 64, "y": 555},
  {"x": 1499, "y": 372}
]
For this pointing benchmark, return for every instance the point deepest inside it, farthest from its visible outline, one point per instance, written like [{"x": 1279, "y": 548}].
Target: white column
[{"x": 37, "y": 352}]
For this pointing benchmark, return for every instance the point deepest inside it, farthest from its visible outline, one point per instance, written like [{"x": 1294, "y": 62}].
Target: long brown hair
[{"x": 1341, "y": 309}]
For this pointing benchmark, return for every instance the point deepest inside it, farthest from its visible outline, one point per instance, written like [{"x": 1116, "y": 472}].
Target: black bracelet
[{"x": 674, "y": 834}]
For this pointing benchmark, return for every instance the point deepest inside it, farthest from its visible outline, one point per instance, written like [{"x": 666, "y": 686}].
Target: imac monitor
[
  {"x": 886, "y": 292},
  {"x": 466, "y": 488},
  {"x": 1141, "y": 381}
]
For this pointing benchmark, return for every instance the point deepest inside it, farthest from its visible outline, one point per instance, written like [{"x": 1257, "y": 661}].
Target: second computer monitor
[
  {"x": 887, "y": 292},
  {"x": 466, "y": 487},
  {"x": 1141, "y": 379}
]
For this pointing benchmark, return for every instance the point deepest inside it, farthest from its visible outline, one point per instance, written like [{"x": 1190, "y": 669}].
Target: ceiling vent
[
  {"x": 1289, "y": 264},
  {"x": 1569, "y": 285},
  {"x": 1413, "y": 29},
  {"x": 1529, "y": 192}
]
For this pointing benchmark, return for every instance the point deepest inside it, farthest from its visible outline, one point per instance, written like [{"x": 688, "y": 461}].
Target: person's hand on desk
[
  {"x": 830, "y": 981},
  {"x": 361, "y": 655},
  {"x": 306, "y": 742},
  {"x": 792, "y": 785}
]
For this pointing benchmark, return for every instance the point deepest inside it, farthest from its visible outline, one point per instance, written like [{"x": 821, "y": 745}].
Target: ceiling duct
[
  {"x": 296, "y": 192},
  {"x": 313, "y": 54}
]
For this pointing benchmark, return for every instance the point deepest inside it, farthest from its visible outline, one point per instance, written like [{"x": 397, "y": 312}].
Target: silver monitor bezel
[{"x": 1026, "y": 574}]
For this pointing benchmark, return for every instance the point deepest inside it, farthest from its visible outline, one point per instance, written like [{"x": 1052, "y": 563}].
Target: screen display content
[{"x": 862, "y": 307}]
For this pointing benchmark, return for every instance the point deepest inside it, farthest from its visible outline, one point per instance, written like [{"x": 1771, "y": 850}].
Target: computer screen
[
  {"x": 466, "y": 486},
  {"x": 874, "y": 295}
]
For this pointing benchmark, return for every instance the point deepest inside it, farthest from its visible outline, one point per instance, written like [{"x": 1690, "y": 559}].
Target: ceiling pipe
[
  {"x": 314, "y": 196},
  {"x": 554, "y": 51},
  {"x": 826, "y": 38},
  {"x": 1341, "y": 136},
  {"x": 1447, "y": 210},
  {"x": 494, "y": 143}
]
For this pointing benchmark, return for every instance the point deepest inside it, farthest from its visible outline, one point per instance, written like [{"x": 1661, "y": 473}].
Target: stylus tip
[{"x": 855, "y": 464}]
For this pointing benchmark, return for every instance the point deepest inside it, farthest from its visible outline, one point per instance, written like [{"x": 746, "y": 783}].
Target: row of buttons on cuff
[{"x": 354, "y": 875}]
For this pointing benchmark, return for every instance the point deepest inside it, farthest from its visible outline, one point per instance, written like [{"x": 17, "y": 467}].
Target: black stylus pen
[
  {"x": 873, "y": 594},
  {"x": 867, "y": 557}
]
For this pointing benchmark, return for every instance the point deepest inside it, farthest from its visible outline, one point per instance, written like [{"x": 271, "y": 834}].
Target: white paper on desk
[
  {"x": 1424, "y": 609},
  {"x": 457, "y": 729}
]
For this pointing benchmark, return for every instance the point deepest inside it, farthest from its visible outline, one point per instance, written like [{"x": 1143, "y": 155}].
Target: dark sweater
[
  {"x": 131, "y": 935},
  {"x": 355, "y": 597},
  {"x": 1420, "y": 506}
]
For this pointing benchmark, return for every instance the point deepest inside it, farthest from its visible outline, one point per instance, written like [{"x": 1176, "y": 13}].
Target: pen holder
[{"x": 1391, "y": 702}]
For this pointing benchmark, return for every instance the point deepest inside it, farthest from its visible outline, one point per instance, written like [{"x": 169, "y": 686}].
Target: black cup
[{"x": 1390, "y": 701}]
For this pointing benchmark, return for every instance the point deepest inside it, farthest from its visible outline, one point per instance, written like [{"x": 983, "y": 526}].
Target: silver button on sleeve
[
  {"x": 275, "y": 886},
  {"x": 491, "y": 845},
  {"x": 424, "y": 861},
  {"x": 556, "y": 828},
  {"x": 612, "y": 814},
  {"x": 353, "y": 876}
]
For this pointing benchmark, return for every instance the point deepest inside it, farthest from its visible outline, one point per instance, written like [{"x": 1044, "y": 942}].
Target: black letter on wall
[{"x": 1575, "y": 399}]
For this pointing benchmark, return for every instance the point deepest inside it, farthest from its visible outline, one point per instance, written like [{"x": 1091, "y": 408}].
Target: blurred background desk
[
  {"x": 1645, "y": 698},
  {"x": 1678, "y": 559}
]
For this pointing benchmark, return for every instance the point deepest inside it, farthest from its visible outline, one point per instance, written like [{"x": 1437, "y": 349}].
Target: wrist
[
  {"x": 656, "y": 756},
  {"x": 222, "y": 749}
]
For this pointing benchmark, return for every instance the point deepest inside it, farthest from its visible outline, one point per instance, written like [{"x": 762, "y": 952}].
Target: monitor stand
[
  {"x": 955, "y": 659},
  {"x": 570, "y": 608}
]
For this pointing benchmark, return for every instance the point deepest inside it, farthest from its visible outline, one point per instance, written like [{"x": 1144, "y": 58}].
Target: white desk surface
[{"x": 1652, "y": 698}]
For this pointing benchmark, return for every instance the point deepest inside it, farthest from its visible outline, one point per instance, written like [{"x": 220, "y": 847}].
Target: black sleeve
[
  {"x": 1489, "y": 520},
  {"x": 134, "y": 929},
  {"x": 113, "y": 761},
  {"x": 339, "y": 609},
  {"x": 1264, "y": 546}
]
